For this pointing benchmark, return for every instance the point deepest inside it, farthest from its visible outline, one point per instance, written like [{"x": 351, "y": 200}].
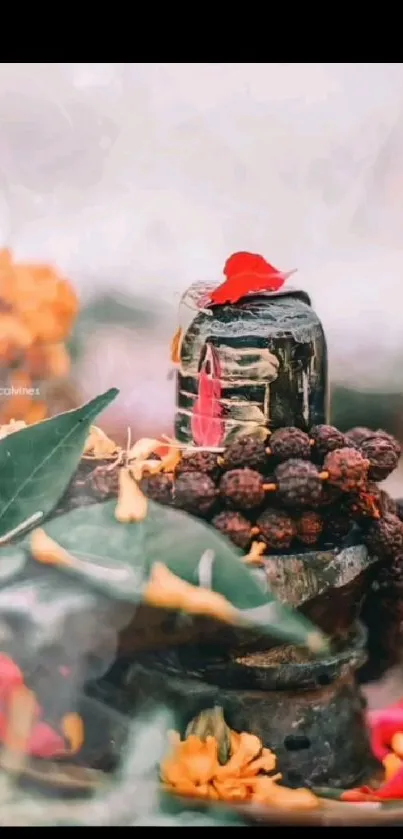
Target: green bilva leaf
[
  {"x": 37, "y": 463},
  {"x": 118, "y": 558}
]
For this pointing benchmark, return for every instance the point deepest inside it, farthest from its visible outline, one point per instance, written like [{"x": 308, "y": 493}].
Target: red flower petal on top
[{"x": 247, "y": 273}]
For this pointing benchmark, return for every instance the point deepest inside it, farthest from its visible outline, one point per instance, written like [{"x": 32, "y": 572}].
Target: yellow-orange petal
[
  {"x": 46, "y": 551},
  {"x": 143, "y": 448},
  {"x": 15, "y": 331},
  {"x": 249, "y": 747},
  {"x": 176, "y": 346},
  {"x": 266, "y": 762},
  {"x": 36, "y": 412},
  {"x": 99, "y": 445},
  {"x": 139, "y": 468},
  {"x": 198, "y": 758},
  {"x": 132, "y": 505},
  {"x": 171, "y": 460},
  {"x": 397, "y": 743},
  {"x": 391, "y": 764},
  {"x": 15, "y": 408},
  {"x": 193, "y": 744},
  {"x": 45, "y": 361},
  {"x": 231, "y": 789},
  {"x": 187, "y": 788},
  {"x": 72, "y": 728},
  {"x": 171, "y": 771},
  {"x": 166, "y": 590}
]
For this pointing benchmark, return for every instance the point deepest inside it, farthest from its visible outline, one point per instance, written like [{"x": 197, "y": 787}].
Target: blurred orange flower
[
  {"x": 37, "y": 311},
  {"x": 193, "y": 769}
]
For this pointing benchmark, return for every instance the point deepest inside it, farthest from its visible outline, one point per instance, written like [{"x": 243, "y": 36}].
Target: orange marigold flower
[
  {"x": 43, "y": 300},
  {"x": 45, "y": 361},
  {"x": 192, "y": 769},
  {"x": 192, "y": 759},
  {"x": 20, "y": 379},
  {"x": 45, "y": 326},
  {"x": 15, "y": 408},
  {"x": 36, "y": 412},
  {"x": 15, "y": 336}
]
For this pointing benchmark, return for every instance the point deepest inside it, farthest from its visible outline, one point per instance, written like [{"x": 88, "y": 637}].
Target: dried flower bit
[
  {"x": 397, "y": 743},
  {"x": 315, "y": 641},
  {"x": 140, "y": 460},
  {"x": 11, "y": 427},
  {"x": 176, "y": 345},
  {"x": 72, "y": 728},
  {"x": 255, "y": 555},
  {"x": 254, "y": 531},
  {"x": 270, "y": 487},
  {"x": 99, "y": 446},
  {"x": 143, "y": 449},
  {"x": 171, "y": 460},
  {"x": 47, "y": 551},
  {"x": 324, "y": 476},
  {"x": 132, "y": 504},
  {"x": 391, "y": 764},
  {"x": 139, "y": 468},
  {"x": 166, "y": 590}
]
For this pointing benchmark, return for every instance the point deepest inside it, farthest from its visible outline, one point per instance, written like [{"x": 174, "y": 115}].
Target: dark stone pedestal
[
  {"x": 310, "y": 713},
  {"x": 327, "y": 585}
]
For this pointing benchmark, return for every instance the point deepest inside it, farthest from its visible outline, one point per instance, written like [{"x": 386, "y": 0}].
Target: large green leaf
[
  {"x": 37, "y": 463},
  {"x": 117, "y": 559}
]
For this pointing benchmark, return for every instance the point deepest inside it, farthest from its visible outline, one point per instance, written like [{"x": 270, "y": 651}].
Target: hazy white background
[{"x": 146, "y": 176}]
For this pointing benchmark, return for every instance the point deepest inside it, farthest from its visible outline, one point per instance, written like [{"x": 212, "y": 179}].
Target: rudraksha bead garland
[{"x": 292, "y": 491}]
